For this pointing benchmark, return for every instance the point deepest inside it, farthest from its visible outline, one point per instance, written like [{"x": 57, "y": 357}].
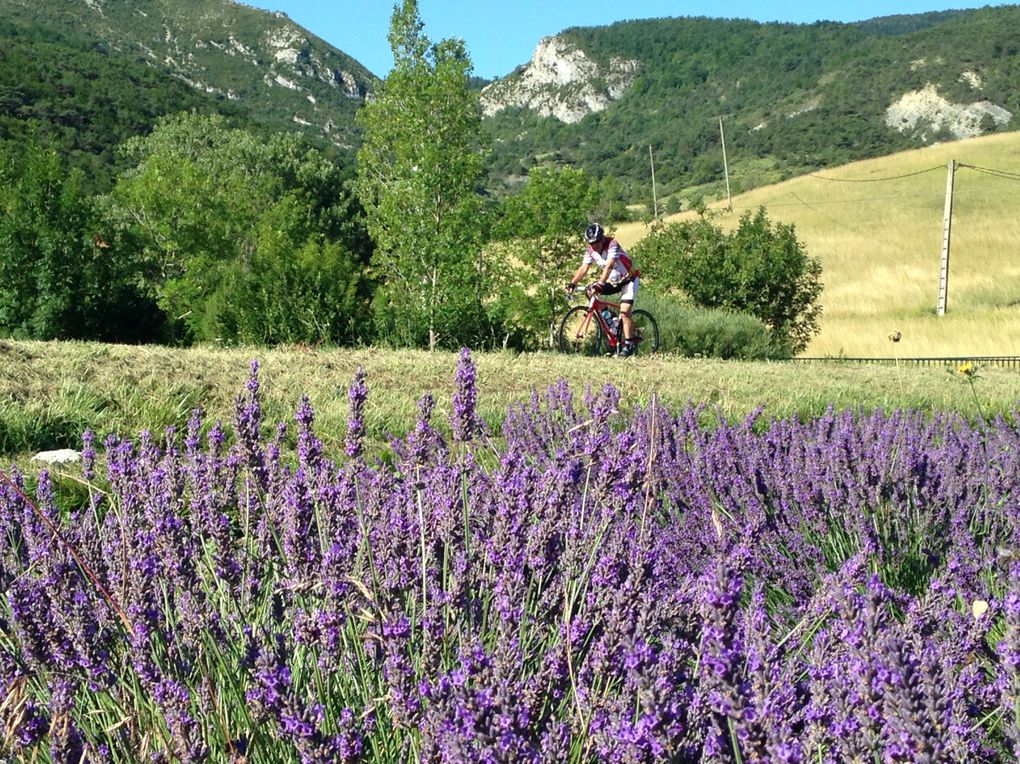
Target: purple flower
[
  {"x": 465, "y": 421},
  {"x": 357, "y": 395},
  {"x": 88, "y": 454}
]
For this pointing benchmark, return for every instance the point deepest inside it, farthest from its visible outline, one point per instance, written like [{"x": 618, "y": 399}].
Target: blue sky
[{"x": 503, "y": 35}]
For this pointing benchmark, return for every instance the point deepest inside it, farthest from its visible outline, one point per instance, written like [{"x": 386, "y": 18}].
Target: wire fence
[{"x": 1003, "y": 361}]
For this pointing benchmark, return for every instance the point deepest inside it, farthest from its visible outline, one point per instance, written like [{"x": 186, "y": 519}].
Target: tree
[
  {"x": 59, "y": 279},
  {"x": 538, "y": 245},
  {"x": 759, "y": 269},
  {"x": 234, "y": 228},
  {"x": 418, "y": 171}
]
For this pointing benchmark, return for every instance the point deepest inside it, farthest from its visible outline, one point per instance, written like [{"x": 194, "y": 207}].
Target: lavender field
[{"x": 594, "y": 583}]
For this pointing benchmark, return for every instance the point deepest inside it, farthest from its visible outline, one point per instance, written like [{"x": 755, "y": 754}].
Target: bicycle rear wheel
[
  {"x": 580, "y": 334},
  {"x": 646, "y": 332}
]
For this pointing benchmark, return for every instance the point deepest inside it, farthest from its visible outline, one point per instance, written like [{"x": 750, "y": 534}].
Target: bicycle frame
[{"x": 595, "y": 308}]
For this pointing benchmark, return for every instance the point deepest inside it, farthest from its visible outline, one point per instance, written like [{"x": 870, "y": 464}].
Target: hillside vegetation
[
  {"x": 229, "y": 52},
  {"x": 793, "y": 97},
  {"x": 877, "y": 228},
  {"x": 83, "y": 101}
]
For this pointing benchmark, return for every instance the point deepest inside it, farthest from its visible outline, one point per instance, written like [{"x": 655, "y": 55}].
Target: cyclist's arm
[
  {"x": 608, "y": 269},
  {"x": 580, "y": 274}
]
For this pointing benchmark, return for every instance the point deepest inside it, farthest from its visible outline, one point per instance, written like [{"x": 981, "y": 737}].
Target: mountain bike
[{"x": 585, "y": 328}]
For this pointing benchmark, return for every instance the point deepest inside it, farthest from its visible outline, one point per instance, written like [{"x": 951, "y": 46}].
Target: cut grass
[{"x": 51, "y": 391}]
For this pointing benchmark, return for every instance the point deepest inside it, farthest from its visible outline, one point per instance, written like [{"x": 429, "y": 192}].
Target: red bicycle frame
[{"x": 595, "y": 308}]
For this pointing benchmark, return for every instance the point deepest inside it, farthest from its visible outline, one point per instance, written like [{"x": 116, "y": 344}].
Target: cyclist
[{"x": 618, "y": 275}]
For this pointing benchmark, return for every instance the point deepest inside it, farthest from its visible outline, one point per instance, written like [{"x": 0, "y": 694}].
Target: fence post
[{"x": 947, "y": 229}]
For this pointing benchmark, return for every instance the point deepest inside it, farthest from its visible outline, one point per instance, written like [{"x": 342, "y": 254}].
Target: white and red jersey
[{"x": 622, "y": 264}]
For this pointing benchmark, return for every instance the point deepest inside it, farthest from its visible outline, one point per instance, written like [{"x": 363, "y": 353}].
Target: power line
[
  {"x": 989, "y": 171},
  {"x": 855, "y": 200},
  {"x": 837, "y": 223},
  {"x": 868, "y": 199},
  {"x": 876, "y": 180}
]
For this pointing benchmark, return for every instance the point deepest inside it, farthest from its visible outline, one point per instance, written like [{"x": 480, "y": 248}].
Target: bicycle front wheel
[
  {"x": 646, "y": 332},
  {"x": 580, "y": 332}
]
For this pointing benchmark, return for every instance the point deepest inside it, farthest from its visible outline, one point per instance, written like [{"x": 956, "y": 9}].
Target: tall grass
[{"x": 880, "y": 241}]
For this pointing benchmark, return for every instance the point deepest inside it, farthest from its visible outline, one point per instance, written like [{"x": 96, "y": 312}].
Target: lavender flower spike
[
  {"x": 88, "y": 454},
  {"x": 464, "y": 421},
  {"x": 358, "y": 392}
]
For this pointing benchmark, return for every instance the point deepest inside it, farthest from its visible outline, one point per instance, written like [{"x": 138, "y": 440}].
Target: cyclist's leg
[{"x": 627, "y": 296}]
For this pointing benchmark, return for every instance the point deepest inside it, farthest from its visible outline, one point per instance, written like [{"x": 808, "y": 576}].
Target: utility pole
[
  {"x": 655, "y": 196},
  {"x": 947, "y": 230},
  {"x": 726, "y": 167}
]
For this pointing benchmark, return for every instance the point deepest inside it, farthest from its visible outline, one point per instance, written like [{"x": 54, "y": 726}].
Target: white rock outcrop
[
  {"x": 347, "y": 83},
  {"x": 927, "y": 108},
  {"x": 561, "y": 81}
]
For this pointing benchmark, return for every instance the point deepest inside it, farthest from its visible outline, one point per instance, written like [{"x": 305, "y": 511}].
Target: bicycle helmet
[{"x": 593, "y": 233}]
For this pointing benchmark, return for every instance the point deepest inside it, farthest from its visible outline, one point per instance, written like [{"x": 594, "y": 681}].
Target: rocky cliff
[
  {"x": 561, "y": 81},
  {"x": 279, "y": 70}
]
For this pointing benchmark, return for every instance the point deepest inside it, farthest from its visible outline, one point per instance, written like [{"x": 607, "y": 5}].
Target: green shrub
[
  {"x": 710, "y": 332},
  {"x": 760, "y": 268}
]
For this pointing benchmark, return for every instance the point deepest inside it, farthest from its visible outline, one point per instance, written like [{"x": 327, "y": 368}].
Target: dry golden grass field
[{"x": 877, "y": 228}]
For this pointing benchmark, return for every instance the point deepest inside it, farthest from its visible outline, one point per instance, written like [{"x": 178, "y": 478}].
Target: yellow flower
[{"x": 966, "y": 369}]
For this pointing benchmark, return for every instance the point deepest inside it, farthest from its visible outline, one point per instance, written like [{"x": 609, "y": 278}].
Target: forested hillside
[
  {"x": 83, "y": 102},
  {"x": 283, "y": 74},
  {"x": 792, "y": 97}
]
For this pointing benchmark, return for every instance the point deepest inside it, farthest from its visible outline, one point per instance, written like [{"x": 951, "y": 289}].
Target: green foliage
[
  {"x": 226, "y": 50},
  {"x": 58, "y": 280},
  {"x": 536, "y": 248},
  {"x": 242, "y": 239},
  {"x": 710, "y": 332},
  {"x": 287, "y": 296},
  {"x": 554, "y": 201},
  {"x": 83, "y": 100},
  {"x": 760, "y": 269},
  {"x": 418, "y": 172}
]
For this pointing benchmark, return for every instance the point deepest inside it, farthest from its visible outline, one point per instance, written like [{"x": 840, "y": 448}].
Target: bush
[
  {"x": 710, "y": 332},
  {"x": 760, "y": 269},
  {"x": 715, "y": 333},
  {"x": 58, "y": 278},
  {"x": 313, "y": 294}
]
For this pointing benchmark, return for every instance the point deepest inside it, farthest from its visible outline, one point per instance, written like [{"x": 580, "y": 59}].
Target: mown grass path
[{"x": 51, "y": 391}]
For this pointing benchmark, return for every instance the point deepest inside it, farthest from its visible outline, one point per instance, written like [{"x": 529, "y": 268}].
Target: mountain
[
  {"x": 83, "y": 102},
  {"x": 280, "y": 73},
  {"x": 789, "y": 98},
  {"x": 792, "y": 98}
]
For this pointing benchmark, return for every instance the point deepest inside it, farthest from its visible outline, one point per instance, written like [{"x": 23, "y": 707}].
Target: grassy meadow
[
  {"x": 51, "y": 391},
  {"x": 880, "y": 242}
]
